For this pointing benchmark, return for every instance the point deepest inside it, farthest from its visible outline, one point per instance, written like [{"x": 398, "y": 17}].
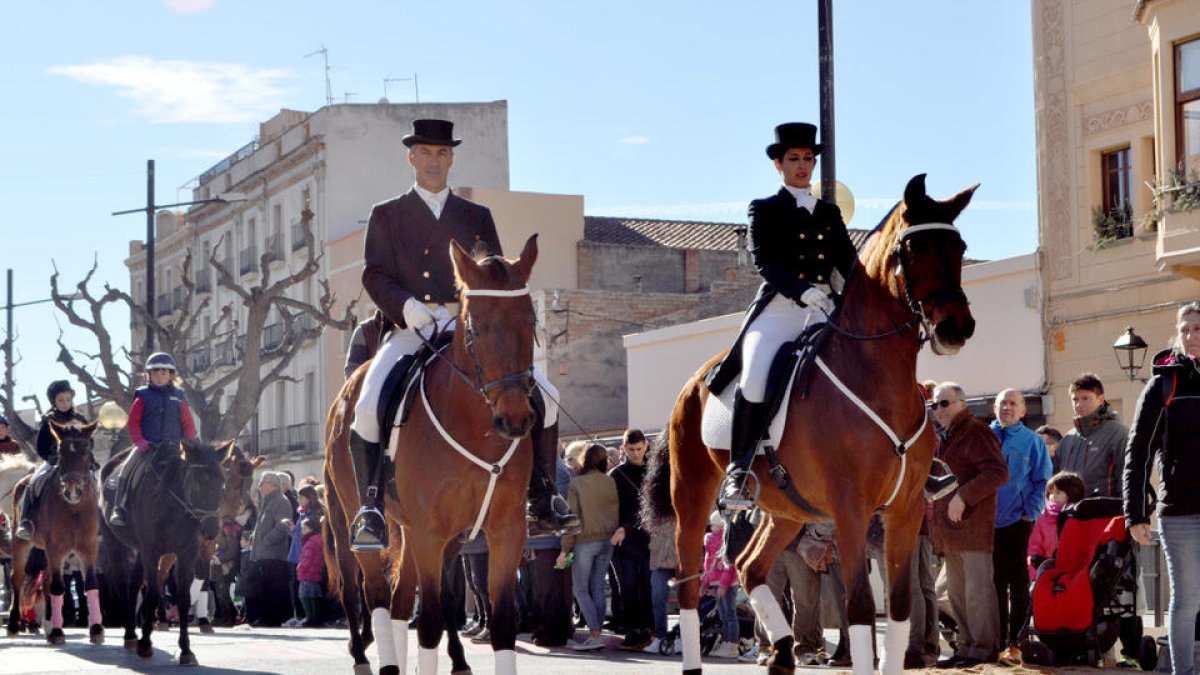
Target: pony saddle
[
  {"x": 396, "y": 398},
  {"x": 790, "y": 366}
]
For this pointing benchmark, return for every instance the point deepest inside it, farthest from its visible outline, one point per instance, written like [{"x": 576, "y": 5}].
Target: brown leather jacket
[{"x": 973, "y": 453}]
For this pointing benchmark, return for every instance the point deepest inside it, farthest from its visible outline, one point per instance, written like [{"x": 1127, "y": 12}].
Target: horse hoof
[
  {"x": 145, "y": 651},
  {"x": 188, "y": 659},
  {"x": 389, "y": 670},
  {"x": 96, "y": 634},
  {"x": 205, "y": 627},
  {"x": 130, "y": 643},
  {"x": 56, "y": 637},
  {"x": 363, "y": 669},
  {"x": 462, "y": 672}
]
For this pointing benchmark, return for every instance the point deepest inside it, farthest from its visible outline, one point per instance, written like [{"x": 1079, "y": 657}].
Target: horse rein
[{"x": 196, "y": 514}]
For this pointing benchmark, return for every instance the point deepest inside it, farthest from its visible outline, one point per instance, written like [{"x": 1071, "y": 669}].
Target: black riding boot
[
  {"x": 368, "y": 532},
  {"x": 547, "y": 512},
  {"x": 120, "y": 514},
  {"x": 29, "y": 506},
  {"x": 748, "y": 421}
]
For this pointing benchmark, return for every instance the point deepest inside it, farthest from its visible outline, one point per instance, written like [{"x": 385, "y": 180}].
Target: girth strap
[{"x": 900, "y": 447}]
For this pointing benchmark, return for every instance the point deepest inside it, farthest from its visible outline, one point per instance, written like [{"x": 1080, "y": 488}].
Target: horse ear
[
  {"x": 258, "y": 462},
  {"x": 90, "y": 429},
  {"x": 56, "y": 431},
  {"x": 523, "y": 265},
  {"x": 914, "y": 192},
  {"x": 959, "y": 201},
  {"x": 464, "y": 265}
]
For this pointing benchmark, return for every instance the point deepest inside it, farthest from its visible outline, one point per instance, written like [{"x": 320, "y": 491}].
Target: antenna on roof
[
  {"x": 413, "y": 79},
  {"x": 328, "y": 86}
]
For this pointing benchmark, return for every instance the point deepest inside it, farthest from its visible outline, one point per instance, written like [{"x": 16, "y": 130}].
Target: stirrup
[
  {"x": 362, "y": 538},
  {"x": 24, "y": 530},
  {"x": 117, "y": 519},
  {"x": 745, "y": 502},
  {"x": 937, "y": 487}
]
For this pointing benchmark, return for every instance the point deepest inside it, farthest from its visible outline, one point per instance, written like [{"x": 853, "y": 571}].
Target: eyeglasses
[{"x": 934, "y": 405}]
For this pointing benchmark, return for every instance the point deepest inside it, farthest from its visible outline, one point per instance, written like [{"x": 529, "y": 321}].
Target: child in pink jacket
[
  {"x": 1063, "y": 489},
  {"x": 310, "y": 570},
  {"x": 721, "y": 579}
]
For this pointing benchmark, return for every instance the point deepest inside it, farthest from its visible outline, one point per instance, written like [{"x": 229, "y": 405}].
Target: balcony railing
[
  {"x": 201, "y": 359},
  {"x": 271, "y": 441},
  {"x": 162, "y": 304},
  {"x": 246, "y": 259},
  {"x": 303, "y": 323},
  {"x": 298, "y": 236},
  {"x": 204, "y": 280},
  {"x": 302, "y": 437},
  {"x": 273, "y": 247},
  {"x": 272, "y": 336},
  {"x": 178, "y": 297},
  {"x": 223, "y": 353}
]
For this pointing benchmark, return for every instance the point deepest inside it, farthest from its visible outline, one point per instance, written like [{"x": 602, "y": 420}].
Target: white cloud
[
  {"x": 634, "y": 140},
  {"x": 166, "y": 91},
  {"x": 189, "y": 6}
]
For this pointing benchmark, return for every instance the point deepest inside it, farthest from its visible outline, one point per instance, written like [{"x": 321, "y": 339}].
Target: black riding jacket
[{"x": 47, "y": 449}]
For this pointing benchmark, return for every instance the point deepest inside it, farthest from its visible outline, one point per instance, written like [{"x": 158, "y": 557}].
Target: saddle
[{"x": 396, "y": 396}]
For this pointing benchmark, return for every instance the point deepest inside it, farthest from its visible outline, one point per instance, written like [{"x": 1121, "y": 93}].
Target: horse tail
[
  {"x": 333, "y": 567},
  {"x": 657, "y": 509}
]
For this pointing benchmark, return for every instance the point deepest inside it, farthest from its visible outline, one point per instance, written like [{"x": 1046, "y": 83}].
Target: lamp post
[
  {"x": 150, "y": 209},
  {"x": 1130, "y": 350},
  {"x": 112, "y": 419}
]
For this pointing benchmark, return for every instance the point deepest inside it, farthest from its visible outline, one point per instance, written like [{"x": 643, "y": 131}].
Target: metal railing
[
  {"x": 271, "y": 441},
  {"x": 273, "y": 248},
  {"x": 224, "y": 354},
  {"x": 298, "y": 241},
  {"x": 224, "y": 165},
  {"x": 246, "y": 259},
  {"x": 178, "y": 297},
  {"x": 201, "y": 359},
  {"x": 204, "y": 280},
  {"x": 302, "y": 437},
  {"x": 272, "y": 336},
  {"x": 162, "y": 304}
]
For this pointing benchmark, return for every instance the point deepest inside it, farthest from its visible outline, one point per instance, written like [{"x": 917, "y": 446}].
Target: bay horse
[
  {"x": 174, "y": 510},
  {"x": 473, "y": 414},
  {"x": 905, "y": 289},
  {"x": 12, "y": 469},
  {"x": 68, "y": 520}
]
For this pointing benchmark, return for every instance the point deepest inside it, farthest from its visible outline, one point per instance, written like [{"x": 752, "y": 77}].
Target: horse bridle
[
  {"x": 522, "y": 379},
  {"x": 195, "y": 513},
  {"x": 939, "y": 296}
]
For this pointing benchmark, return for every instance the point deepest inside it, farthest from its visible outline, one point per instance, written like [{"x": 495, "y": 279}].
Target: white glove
[
  {"x": 817, "y": 299},
  {"x": 416, "y": 315}
]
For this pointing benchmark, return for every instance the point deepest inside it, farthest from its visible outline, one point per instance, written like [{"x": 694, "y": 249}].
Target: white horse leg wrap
[
  {"x": 506, "y": 662},
  {"x": 768, "y": 611},
  {"x": 689, "y": 635},
  {"x": 426, "y": 661},
  {"x": 381, "y": 625},
  {"x": 201, "y": 598},
  {"x": 862, "y": 652},
  {"x": 895, "y": 642},
  {"x": 400, "y": 642},
  {"x": 93, "y": 602}
]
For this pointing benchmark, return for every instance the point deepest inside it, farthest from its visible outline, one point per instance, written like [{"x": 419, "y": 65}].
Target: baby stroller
[
  {"x": 1081, "y": 594},
  {"x": 710, "y": 628}
]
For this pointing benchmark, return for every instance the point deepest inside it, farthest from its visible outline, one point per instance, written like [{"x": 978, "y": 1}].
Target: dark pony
[
  {"x": 478, "y": 393},
  {"x": 907, "y": 289},
  {"x": 67, "y": 521},
  {"x": 174, "y": 510}
]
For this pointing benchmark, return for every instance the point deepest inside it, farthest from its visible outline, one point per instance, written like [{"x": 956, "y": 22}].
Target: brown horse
[
  {"x": 68, "y": 521},
  {"x": 907, "y": 288},
  {"x": 475, "y": 396}
]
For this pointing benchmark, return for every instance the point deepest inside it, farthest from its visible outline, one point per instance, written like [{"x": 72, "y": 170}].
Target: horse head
[
  {"x": 496, "y": 331},
  {"x": 239, "y": 477},
  {"x": 928, "y": 252},
  {"x": 204, "y": 480},
  {"x": 74, "y": 442}
]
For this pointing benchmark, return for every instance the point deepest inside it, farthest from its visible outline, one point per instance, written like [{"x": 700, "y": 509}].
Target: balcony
[
  {"x": 304, "y": 323},
  {"x": 162, "y": 304},
  {"x": 223, "y": 353},
  {"x": 272, "y": 441},
  {"x": 272, "y": 337},
  {"x": 204, "y": 280},
  {"x": 302, "y": 438},
  {"x": 179, "y": 297},
  {"x": 298, "y": 237},
  {"x": 201, "y": 359},
  {"x": 274, "y": 248},
  {"x": 1179, "y": 243},
  {"x": 246, "y": 259}
]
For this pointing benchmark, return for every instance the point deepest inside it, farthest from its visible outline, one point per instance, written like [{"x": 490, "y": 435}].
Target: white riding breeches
[
  {"x": 402, "y": 342},
  {"x": 780, "y": 321}
]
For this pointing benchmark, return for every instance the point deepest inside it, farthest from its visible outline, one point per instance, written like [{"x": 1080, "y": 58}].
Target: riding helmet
[
  {"x": 161, "y": 360},
  {"x": 57, "y": 387}
]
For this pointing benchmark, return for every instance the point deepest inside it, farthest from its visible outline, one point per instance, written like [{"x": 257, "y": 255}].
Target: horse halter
[
  {"x": 941, "y": 295},
  {"x": 522, "y": 379}
]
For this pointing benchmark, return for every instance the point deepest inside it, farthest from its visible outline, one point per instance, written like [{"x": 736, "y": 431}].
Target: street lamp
[
  {"x": 1130, "y": 350},
  {"x": 150, "y": 209}
]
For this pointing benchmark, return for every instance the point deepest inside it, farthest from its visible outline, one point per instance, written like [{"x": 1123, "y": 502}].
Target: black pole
[
  {"x": 8, "y": 339},
  {"x": 825, "y": 49},
  {"x": 149, "y": 256}
]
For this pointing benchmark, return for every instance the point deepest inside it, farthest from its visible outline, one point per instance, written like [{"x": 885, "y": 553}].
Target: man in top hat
[{"x": 410, "y": 278}]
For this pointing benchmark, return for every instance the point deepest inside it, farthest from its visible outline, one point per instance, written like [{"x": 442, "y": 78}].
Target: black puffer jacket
[{"x": 1166, "y": 428}]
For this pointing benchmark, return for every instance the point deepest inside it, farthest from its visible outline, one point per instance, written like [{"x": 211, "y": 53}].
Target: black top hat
[
  {"x": 794, "y": 135},
  {"x": 431, "y": 132}
]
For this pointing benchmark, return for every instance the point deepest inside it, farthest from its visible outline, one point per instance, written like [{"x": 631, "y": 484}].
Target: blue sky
[{"x": 653, "y": 109}]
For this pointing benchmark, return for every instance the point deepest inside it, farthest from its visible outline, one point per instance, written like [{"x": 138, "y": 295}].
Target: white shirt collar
[
  {"x": 435, "y": 200},
  {"x": 803, "y": 196}
]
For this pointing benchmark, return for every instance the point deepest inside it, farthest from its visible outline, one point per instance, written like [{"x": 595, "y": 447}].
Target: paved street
[{"x": 320, "y": 652}]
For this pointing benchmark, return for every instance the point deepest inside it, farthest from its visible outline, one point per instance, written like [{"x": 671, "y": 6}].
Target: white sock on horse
[
  {"x": 400, "y": 644},
  {"x": 201, "y": 599},
  {"x": 56, "y": 603},
  {"x": 426, "y": 661},
  {"x": 895, "y": 643},
  {"x": 506, "y": 662},
  {"x": 93, "y": 600},
  {"x": 762, "y": 599},
  {"x": 689, "y": 635},
  {"x": 862, "y": 650},
  {"x": 381, "y": 625}
]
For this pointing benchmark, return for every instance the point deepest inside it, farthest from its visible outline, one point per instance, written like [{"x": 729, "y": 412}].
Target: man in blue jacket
[{"x": 1018, "y": 504}]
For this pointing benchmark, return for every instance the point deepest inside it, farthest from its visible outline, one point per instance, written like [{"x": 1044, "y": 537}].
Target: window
[
  {"x": 1187, "y": 106},
  {"x": 1113, "y": 219}
]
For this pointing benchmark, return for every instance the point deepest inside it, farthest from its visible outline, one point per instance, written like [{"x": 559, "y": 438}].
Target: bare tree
[
  {"x": 18, "y": 429},
  {"x": 245, "y": 365}
]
